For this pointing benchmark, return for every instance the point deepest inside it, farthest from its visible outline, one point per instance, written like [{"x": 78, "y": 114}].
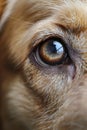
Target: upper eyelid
[{"x": 51, "y": 35}]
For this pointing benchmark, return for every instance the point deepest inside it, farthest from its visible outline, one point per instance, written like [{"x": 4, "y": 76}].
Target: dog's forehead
[{"x": 71, "y": 14}]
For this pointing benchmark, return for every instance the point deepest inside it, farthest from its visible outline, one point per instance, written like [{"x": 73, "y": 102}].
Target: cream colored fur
[{"x": 35, "y": 97}]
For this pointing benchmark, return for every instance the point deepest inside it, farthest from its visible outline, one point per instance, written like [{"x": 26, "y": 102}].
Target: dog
[{"x": 43, "y": 64}]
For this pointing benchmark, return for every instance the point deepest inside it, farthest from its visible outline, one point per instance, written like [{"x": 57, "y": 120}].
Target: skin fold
[{"x": 36, "y": 96}]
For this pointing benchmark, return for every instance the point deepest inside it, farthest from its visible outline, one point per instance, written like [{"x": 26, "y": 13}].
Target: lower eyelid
[{"x": 38, "y": 60}]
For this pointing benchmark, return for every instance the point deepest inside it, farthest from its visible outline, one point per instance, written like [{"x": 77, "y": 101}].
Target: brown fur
[{"x": 35, "y": 97}]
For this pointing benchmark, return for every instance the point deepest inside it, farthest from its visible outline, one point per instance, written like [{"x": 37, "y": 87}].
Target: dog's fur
[{"x": 35, "y": 97}]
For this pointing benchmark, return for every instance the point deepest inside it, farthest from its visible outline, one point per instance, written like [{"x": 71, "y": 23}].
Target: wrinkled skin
[{"x": 38, "y": 97}]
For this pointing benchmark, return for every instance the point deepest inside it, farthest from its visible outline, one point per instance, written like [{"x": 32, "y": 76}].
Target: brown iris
[{"x": 52, "y": 51}]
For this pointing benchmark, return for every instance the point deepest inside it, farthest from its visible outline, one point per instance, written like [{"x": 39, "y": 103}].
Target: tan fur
[
  {"x": 2, "y": 6},
  {"x": 43, "y": 98}
]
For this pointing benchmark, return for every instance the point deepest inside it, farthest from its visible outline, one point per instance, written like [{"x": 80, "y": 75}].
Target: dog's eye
[{"x": 51, "y": 52}]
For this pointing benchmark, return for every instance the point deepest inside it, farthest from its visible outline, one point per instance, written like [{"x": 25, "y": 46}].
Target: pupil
[{"x": 55, "y": 47}]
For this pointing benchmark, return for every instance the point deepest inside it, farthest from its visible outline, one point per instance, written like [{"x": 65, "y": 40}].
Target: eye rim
[{"x": 65, "y": 60}]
